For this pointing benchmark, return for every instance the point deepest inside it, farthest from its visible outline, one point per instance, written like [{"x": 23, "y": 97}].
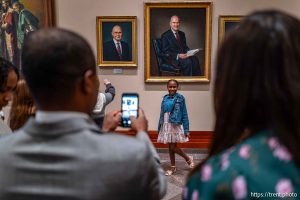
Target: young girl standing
[{"x": 173, "y": 125}]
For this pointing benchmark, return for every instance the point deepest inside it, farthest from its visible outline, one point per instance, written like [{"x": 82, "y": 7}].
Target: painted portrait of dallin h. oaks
[
  {"x": 116, "y": 36},
  {"x": 18, "y": 18}
]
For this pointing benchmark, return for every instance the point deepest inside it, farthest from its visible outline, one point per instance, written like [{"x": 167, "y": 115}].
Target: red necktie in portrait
[
  {"x": 119, "y": 49},
  {"x": 177, "y": 37}
]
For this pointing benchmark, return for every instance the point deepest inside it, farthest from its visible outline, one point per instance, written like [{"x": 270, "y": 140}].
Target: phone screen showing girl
[{"x": 130, "y": 105}]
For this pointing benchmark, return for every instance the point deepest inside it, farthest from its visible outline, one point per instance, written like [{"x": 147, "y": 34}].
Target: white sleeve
[{"x": 101, "y": 100}]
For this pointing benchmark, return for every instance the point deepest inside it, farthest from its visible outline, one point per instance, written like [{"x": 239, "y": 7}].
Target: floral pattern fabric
[
  {"x": 259, "y": 167},
  {"x": 171, "y": 133}
]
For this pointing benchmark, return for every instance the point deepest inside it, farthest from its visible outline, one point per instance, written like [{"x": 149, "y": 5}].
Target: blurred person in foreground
[
  {"x": 61, "y": 154},
  {"x": 9, "y": 76},
  {"x": 255, "y": 149}
]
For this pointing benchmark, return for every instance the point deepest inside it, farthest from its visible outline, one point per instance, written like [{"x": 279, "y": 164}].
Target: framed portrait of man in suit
[
  {"x": 227, "y": 23},
  {"x": 18, "y": 18},
  {"x": 116, "y": 41},
  {"x": 177, "y": 39}
]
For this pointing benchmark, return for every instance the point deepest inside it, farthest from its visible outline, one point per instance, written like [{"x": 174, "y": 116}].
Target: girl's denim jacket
[{"x": 178, "y": 114}]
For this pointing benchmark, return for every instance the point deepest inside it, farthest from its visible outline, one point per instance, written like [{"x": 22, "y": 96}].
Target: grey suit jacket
[
  {"x": 4, "y": 128},
  {"x": 73, "y": 160}
]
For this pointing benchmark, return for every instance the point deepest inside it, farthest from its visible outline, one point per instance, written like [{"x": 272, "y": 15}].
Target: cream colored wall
[{"x": 80, "y": 16}]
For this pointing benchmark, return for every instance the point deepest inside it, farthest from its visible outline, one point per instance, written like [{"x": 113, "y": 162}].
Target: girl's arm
[
  {"x": 160, "y": 116},
  {"x": 185, "y": 118}
]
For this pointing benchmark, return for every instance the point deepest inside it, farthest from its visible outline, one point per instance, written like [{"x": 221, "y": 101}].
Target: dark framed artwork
[
  {"x": 227, "y": 23},
  {"x": 162, "y": 47},
  {"x": 19, "y": 18},
  {"x": 116, "y": 41}
]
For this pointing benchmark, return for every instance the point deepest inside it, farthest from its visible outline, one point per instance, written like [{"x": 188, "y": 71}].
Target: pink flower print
[
  {"x": 195, "y": 195},
  {"x": 244, "y": 151},
  {"x": 282, "y": 153},
  {"x": 284, "y": 185},
  {"x": 185, "y": 192},
  {"x": 206, "y": 173},
  {"x": 239, "y": 187},
  {"x": 273, "y": 142},
  {"x": 231, "y": 149},
  {"x": 224, "y": 161}
]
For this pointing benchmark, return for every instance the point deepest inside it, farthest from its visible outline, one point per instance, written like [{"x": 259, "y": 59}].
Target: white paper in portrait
[{"x": 192, "y": 52}]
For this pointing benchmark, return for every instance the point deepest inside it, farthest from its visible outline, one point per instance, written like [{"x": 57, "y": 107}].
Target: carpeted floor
[{"x": 177, "y": 180}]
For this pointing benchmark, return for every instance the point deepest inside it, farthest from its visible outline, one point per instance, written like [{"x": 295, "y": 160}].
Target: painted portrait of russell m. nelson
[{"x": 177, "y": 41}]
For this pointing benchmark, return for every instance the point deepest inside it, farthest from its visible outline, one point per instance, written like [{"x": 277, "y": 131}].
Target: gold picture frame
[
  {"x": 49, "y": 13},
  {"x": 195, "y": 22},
  {"x": 106, "y": 50},
  {"x": 226, "y": 23}
]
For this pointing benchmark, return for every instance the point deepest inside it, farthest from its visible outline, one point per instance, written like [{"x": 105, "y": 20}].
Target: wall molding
[{"x": 198, "y": 139}]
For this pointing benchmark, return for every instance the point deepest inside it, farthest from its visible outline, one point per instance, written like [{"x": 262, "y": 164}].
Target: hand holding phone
[
  {"x": 129, "y": 107},
  {"x": 111, "y": 121},
  {"x": 141, "y": 123}
]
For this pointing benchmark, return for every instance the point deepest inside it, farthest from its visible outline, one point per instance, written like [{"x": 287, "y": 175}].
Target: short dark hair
[
  {"x": 52, "y": 60},
  {"x": 5, "y": 68},
  {"x": 173, "y": 80}
]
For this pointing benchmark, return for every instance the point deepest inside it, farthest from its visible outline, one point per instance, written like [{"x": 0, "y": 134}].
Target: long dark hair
[
  {"x": 257, "y": 85},
  {"x": 22, "y": 106}
]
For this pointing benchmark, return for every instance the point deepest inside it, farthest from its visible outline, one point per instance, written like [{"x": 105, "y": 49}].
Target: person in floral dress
[
  {"x": 255, "y": 149},
  {"x": 173, "y": 125}
]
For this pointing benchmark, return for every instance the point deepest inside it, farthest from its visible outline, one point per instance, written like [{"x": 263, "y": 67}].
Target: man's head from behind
[
  {"x": 175, "y": 23},
  {"x": 59, "y": 67},
  {"x": 9, "y": 76},
  {"x": 117, "y": 33}
]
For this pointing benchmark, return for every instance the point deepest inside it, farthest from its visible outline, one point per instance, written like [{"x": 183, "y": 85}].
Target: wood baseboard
[{"x": 198, "y": 139}]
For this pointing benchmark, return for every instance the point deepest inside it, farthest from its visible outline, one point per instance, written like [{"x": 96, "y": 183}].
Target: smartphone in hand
[{"x": 129, "y": 107}]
